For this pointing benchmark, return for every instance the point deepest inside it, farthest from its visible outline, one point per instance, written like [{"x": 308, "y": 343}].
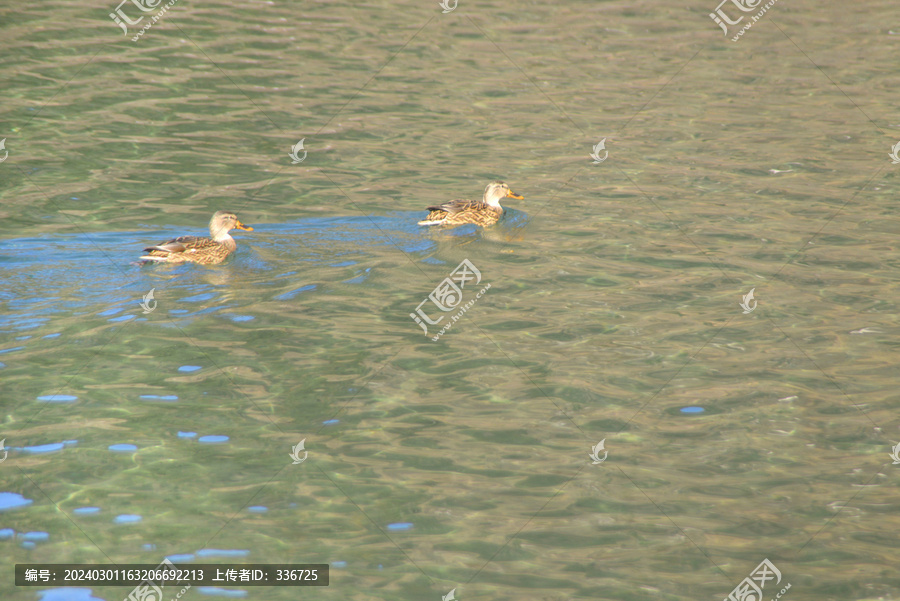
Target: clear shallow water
[{"x": 614, "y": 299}]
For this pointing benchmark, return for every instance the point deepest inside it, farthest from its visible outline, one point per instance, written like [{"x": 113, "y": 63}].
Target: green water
[{"x": 614, "y": 297}]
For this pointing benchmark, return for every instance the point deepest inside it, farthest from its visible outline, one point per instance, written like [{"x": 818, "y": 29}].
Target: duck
[
  {"x": 197, "y": 249},
  {"x": 483, "y": 212}
]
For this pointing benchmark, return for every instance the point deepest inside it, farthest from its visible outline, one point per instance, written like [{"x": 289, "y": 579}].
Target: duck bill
[
  {"x": 241, "y": 226},
  {"x": 512, "y": 194}
]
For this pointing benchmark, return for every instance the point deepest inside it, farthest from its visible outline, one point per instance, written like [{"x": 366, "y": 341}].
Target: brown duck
[
  {"x": 196, "y": 249},
  {"x": 480, "y": 212}
]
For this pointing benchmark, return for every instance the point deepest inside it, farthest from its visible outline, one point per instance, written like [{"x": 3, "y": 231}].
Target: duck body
[
  {"x": 458, "y": 212},
  {"x": 483, "y": 212},
  {"x": 197, "y": 249}
]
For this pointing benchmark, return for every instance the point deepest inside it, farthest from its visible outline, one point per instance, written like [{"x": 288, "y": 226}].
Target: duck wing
[
  {"x": 182, "y": 244},
  {"x": 455, "y": 206}
]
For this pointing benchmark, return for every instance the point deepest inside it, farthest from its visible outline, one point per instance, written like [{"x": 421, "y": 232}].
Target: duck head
[
  {"x": 223, "y": 222},
  {"x": 496, "y": 191}
]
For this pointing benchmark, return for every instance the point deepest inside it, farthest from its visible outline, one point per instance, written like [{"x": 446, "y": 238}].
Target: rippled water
[{"x": 614, "y": 299}]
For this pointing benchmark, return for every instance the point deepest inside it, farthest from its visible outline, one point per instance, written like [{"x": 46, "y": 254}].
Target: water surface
[{"x": 614, "y": 298}]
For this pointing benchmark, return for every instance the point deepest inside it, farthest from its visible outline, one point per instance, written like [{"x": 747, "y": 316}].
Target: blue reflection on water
[
  {"x": 13, "y": 500},
  {"x": 64, "y": 274}
]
